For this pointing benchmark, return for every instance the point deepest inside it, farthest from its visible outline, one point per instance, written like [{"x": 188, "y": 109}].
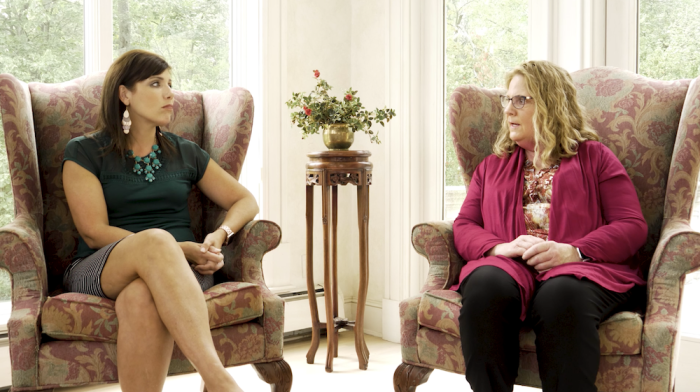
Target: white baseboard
[
  {"x": 373, "y": 315},
  {"x": 391, "y": 322},
  {"x": 297, "y": 314}
]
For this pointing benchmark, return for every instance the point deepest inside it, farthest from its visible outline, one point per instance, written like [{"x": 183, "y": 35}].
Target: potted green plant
[{"x": 338, "y": 119}]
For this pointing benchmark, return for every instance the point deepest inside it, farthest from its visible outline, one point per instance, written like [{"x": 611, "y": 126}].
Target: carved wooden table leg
[
  {"x": 329, "y": 169},
  {"x": 408, "y": 377},
  {"x": 363, "y": 223},
  {"x": 278, "y": 374},
  {"x": 366, "y": 263},
  {"x": 333, "y": 332},
  {"x": 313, "y": 305},
  {"x": 330, "y": 324}
]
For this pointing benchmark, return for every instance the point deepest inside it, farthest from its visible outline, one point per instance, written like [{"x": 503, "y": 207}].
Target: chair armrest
[
  {"x": 243, "y": 255},
  {"x": 677, "y": 254},
  {"x": 243, "y": 263},
  {"x": 435, "y": 241},
  {"x": 408, "y": 313},
  {"x": 22, "y": 255}
]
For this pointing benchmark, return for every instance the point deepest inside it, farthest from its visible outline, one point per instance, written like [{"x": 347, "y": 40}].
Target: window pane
[
  {"x": 192, "y": 35},
  {"x": 40, "y": 41},
  {"x": 668, "y": 39},
  {"x": 668, "y": 47},
  {"x": 483, "y": 39}
]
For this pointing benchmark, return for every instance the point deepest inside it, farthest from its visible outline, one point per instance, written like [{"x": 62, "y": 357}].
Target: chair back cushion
[
  {"x": 67, "y": 110},
  {"x": 636, "y": 117}
]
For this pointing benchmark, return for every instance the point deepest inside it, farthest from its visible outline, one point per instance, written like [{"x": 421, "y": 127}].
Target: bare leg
[
  {"x": 156, "y": 258},
  {"x": 144, "y": 346}
]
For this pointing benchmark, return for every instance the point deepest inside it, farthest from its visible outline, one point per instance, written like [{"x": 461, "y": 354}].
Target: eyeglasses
[{"x": 518, "y": 101}]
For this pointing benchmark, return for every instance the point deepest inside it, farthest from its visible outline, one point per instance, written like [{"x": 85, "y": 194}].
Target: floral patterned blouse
[{"x": 537, "y": 196}]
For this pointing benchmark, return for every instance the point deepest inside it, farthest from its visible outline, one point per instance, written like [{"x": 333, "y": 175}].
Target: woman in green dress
[{"x": 127, "y": 187}]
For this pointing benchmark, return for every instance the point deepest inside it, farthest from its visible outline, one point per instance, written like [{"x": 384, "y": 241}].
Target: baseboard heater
[{"x": 297, "y": 315}]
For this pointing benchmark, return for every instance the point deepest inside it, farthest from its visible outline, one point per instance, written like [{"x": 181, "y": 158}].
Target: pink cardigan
[{"x": 594, "y": 207}]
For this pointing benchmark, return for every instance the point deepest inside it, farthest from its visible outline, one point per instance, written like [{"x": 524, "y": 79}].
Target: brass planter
[{"x": 338, "y": 137}]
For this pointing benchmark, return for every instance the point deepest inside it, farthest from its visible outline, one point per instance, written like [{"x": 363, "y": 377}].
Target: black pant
[{"x": 564, "y": 312}]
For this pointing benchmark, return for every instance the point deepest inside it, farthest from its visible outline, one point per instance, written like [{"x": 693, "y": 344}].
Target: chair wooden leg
[
  {"x": 408, "y": 377},
  {"x": 277, "y": 374}
]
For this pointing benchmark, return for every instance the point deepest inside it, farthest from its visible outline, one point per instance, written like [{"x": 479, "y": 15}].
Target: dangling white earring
[{"x": 126, "y": 122}]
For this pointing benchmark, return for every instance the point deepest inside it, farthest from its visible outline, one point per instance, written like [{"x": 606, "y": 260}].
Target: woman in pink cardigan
[{"x": 549, "y": 228}]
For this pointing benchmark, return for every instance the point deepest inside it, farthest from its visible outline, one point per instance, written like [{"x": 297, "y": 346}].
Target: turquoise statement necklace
[{"x": 150, "y": 162}]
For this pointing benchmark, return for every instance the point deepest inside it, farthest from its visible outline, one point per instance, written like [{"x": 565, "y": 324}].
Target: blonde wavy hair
[{"x": 559, "y": 121}]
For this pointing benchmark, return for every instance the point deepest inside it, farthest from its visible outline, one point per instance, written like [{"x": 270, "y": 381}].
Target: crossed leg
[
  {"x": 144, "y": 345},
  {"x": 158, "y": 301}
]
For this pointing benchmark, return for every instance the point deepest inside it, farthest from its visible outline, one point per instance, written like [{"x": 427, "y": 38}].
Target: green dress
[{"x": 135, "y": 204}]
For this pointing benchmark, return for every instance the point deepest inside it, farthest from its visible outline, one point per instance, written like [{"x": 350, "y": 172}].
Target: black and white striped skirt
[{"x": 83, "y": 275}]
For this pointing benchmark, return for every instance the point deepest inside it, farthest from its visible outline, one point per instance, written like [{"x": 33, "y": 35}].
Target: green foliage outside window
[
  {"x": 192, "y": 35},
  {"x": 669, "y": 39},
  {"x": 483, "y": 39},
  {"x": 40, "y": 41}
]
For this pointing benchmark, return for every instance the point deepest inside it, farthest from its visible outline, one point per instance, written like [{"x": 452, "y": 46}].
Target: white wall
[{"x": 344, "y": 41}]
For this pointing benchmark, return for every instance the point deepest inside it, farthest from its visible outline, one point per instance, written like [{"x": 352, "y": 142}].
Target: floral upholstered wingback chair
[
  {"x": 654, "y": 129},
  {"x": 67, "y": 339}
]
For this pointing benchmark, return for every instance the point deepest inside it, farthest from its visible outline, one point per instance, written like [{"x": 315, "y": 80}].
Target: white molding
[
  {"x": 594, "y": 31},
  {"x": 370, "y": 302},
  {"x": 278, "y": 264},
  {"x": 373, "y": 315},
  {"x": 273, "y": 80},
  {"x": 414, "y": 59},
  {"x": 245, "y": 63},
  {"x": 621, "y": 34},
  {"x": 97, "y": 30},
  {"x": 391, "y": 321},
  {"x": 540, "y": 27},
  {"x": 577, "y": 34},
  {"x": 433, "y": 131}
]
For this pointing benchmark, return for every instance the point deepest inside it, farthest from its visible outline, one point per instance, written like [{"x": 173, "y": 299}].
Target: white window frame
[
  {"x": 578, "y": 34},
  {"x": 415, "y": 81},
  {"x": 97, "y": 35}
]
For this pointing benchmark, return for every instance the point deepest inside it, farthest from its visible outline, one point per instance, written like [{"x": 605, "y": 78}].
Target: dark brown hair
[{"x": 131, "y": 67}]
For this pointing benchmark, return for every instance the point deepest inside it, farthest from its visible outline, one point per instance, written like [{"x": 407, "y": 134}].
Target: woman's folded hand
[
  {"x": 549, "y": 254},
  {"x": 515, "y": 248},
  {"x": 205, "y": 260}
]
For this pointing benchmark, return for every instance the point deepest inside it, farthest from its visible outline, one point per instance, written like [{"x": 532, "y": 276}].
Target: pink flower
[
  {"x": 316, "y": 73},
  {"x": 348, "y": 97},
  {"x": 307, "y": 111}
]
